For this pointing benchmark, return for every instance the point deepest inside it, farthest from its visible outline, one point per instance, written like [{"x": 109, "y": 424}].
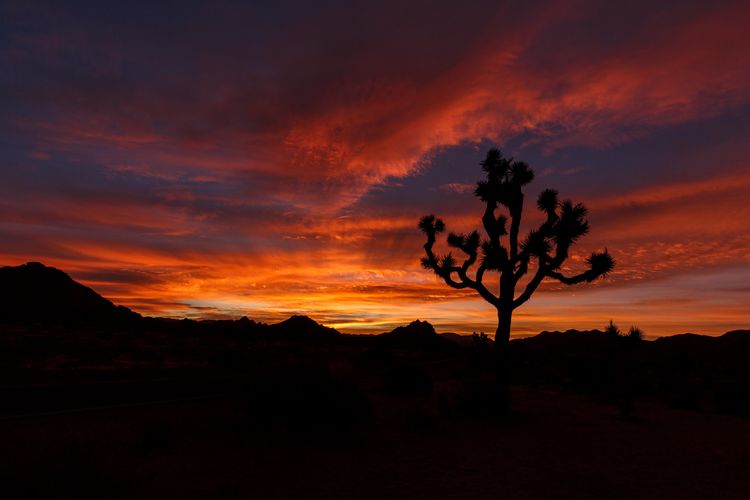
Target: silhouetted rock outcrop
[
  {"x": 300, "y": 327},
  {"x": 242, "y": 326},
  {"x": 416, "y": 335},
  {"x": 33, "y": 292}
]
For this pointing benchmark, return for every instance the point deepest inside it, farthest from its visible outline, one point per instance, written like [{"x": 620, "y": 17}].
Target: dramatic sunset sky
[{"x": 220, "y": 159}]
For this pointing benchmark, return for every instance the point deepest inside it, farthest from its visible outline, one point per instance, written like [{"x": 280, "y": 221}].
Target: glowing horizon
[{"x": 208, "y": 164}]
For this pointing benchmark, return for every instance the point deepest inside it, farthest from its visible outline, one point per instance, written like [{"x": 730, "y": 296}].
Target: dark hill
[
  {"x": 33, "y": 292},
  {"x": 457, "y": 338},
  {"x": 244, "y": 325},
  {"x": 725, "y": 352},
  {"x": 568, "y": 342},
  {"x": 738, "y": 340},
  {"x": 416, "y": 335},
  {"x": 300, "y": 327},
  {"x": 736, "y": 333}
]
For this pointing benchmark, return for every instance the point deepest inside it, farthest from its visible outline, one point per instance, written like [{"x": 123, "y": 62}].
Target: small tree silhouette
[
  {"x": 620, "y": 355},
  {"x": 548, "y": 246}
]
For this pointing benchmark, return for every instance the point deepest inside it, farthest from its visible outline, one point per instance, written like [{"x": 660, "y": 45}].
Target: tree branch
[
  {"x": 479, "y": 286},
  {"x": 490, "y": 224},
  {"x": 446, "y": 271},
  {"x": 515, "y": 226},
  {"x": 572, "y": 280},
  {"x": 588, "y": 276},
  {"x": 447, "y": 278},
  {"x": 600, "y": 264},
  {"x": 531, "y": 286}
]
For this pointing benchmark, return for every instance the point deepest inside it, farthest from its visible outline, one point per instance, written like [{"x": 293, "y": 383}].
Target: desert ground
[{"x": 204, "y": 434}]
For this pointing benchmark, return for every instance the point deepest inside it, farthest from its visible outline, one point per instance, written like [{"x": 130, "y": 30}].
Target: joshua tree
[{"x": 543, "y": 250}]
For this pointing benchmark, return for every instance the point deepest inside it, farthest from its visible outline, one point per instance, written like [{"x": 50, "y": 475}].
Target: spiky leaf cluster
[
  {"x": 505, "y": 178},
  {"x": 493, "y": 258},
  {"x": 633, "y": 336},
  {"x": 547, "y": 201},
  {"x": 536, "y": 244},
  {"x": 431, "y": 225},
  {"x": 571, "y": 223},
  {"x": 600, "y": 263},
  {"x": 468, "y": 243}
]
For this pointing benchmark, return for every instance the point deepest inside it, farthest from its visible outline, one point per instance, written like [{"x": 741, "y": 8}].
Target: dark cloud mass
[{"x": 262, "y": 158}]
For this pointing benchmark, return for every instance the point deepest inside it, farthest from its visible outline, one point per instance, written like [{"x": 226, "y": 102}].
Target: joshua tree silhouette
[{"x": 548, "y": 246}]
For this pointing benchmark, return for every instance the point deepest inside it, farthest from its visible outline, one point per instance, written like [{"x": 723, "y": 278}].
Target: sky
[{"x": 221, "y": 159}]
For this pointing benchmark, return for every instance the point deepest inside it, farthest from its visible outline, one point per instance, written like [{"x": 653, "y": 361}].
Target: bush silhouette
[
  {"x": 620, "y": 356},
  {"x": 502, "y": 251}
]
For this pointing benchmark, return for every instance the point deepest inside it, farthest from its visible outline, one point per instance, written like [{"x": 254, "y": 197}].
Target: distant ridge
[
  {"x": 731, "y": 347},
  {"x": 299, "y": 327},
  {"x": 464, "y": 340},
  {"x": 416, "y": 335},
  {"x": 570, "y": 331},
  {"x": 33, "y": 292},
  {"x": 416, "y": 328},
  {"x": 736, "y": 332}
]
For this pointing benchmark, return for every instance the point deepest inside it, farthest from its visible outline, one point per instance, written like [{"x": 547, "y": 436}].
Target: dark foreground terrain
[
  {"x": 558, "y": 446},
  {"x": 98, "y": 402},
  {"x": 298, "y": 420}
]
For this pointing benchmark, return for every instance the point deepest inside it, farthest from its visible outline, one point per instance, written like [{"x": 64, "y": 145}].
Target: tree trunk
[{"x": 502, "y": 367}]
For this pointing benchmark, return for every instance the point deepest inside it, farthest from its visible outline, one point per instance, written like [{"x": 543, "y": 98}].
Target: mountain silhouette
[
  {"x": 727, "y": 351},
  {"x": 568, "y": 342},
  {"x": 299, "y": 327},
  {"x": 34, "y": 292},
  {"x": 416, "y": 335}
]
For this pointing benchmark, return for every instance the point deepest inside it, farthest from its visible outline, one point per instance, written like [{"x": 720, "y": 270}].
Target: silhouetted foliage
[
  {"x": 482, "y": 352},
  {"x": 481, "y": 340},
  {"x": 619, "y": 356},
  {"x": 503, "y": 251}
]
